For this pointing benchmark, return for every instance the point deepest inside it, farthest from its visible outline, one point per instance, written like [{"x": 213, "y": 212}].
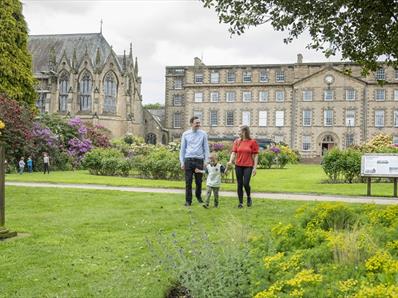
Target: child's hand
[{"x": 198, "y": 171}]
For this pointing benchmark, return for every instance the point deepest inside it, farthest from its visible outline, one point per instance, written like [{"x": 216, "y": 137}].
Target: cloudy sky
[{"x": 164, "y": 33}]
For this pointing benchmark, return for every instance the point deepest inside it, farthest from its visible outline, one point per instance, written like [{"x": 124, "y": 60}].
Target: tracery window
[
  {"x": 63, "y": 92},
  {"x": 110, "y": 89},
  {"x": 86, "y": 85}
]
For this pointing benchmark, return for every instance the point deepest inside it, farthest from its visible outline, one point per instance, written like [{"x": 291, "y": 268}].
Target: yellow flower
[{"x": 2, "y": 125}]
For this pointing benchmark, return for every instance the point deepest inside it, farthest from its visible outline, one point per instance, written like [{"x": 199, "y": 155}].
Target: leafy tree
[
  {"x": 16, "y": 78},
  {"x": 153, "y": 106},
  {"x": 364, "y": 31}
]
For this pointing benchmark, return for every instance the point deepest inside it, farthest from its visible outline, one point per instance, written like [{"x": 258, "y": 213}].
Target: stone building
[
  {"x": 309, "y": 106},
  {"x": 81, "y": 76}
]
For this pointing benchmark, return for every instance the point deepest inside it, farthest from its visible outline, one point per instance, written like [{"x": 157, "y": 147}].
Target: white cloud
[{"x": 164, "y": 33}]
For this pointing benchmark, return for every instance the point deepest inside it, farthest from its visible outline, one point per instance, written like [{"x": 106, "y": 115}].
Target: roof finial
[
  {"x": 131, "y": 51},
  {"x": 101, "y": 22}
]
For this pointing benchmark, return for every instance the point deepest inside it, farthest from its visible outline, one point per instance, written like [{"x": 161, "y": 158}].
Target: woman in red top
[{"x": 245, "y": 155}]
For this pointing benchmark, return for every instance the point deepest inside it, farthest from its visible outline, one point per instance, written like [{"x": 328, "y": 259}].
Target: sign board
[{"x": 379, "y": 165}]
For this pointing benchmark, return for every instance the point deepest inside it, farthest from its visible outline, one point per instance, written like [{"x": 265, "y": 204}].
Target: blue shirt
[{"x": 194, "y": 144}]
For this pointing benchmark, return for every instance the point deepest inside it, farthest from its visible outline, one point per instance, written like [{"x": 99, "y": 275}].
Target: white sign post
[{"x": 381, "y": 165}]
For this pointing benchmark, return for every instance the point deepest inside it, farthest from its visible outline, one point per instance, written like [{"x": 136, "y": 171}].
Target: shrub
[
  {"x": 107, "y": 162},
  {"x": 351, "y": 164},
  {"x": 159, "y": 163},
  {"x": 16, "y": 135},
  {"x": 332, "y": 164},
  {"x": 266, "y": 159}
]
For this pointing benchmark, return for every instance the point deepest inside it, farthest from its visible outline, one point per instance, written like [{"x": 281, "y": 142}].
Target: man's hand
[
  {"x": 182, "y": 167},
  {"x": 254, "y": 172},
  {"x": 198, "y": 171}
]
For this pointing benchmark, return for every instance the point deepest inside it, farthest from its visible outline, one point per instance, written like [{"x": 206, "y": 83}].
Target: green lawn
[
  {"x": 93, "y": 243},
  {"x": 295, "y": 179}
]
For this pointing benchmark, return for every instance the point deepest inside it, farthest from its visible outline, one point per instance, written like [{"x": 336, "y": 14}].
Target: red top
[{"x": 244, "y": 150}]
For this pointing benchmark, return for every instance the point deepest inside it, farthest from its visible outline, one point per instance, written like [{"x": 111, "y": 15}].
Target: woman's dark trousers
[{"x": 243, "y": 175}]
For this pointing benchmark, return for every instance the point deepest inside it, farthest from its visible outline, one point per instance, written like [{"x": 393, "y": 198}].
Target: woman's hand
[{"x": 254, "y": 172}]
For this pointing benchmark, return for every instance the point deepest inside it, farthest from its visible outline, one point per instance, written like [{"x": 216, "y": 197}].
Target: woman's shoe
[
  {"x": 249, "y": 202},
  {"x": 240, "y": 206}
]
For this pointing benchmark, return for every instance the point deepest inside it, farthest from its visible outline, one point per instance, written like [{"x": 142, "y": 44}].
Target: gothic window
[
  {"x": 41, "y": 102},
  {"x": 63, "y": 92},
  {"x": 86, "y": 84},
  {"x": 110, "y": 88}
]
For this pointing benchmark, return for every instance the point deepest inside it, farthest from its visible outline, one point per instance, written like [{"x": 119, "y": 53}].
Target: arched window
[
  {"x": 110, "y": 88},
  {"x": 86, "y": 84},
  {"x": 63, "y": 92}
]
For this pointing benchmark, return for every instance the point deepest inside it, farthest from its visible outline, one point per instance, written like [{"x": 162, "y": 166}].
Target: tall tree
[
  {"x": 363, "y": 31},
  {"x": 16, "y": 78}
]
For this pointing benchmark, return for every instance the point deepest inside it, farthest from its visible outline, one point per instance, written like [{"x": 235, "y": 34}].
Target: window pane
[
  {"x": 247, "y": 76},
  {"x": 307, "y": 117},
  {"x": 214, "y": 97},
  {"x": 279, "y": 96},
  {"x": 215, "y": 77},
  {"x": 230, "y": 118},
  {"x": 328, "y": 95},
  {"x": 380, "y": 74},
  {"x": 263, "y": 76},
  {"x": 279, "y": 118},
  {"x": 177, "y": 100},
  {"x": 350, "y": 94},
  {"x": 198, "y": 78},
  {"x": 231, "y": 77},
  {"x": 246, "y": 118},
  {"x": 328, "y": 117},
  {"x": 177, "y": 120},
  {"x": 230, "y": 96},
  {"x": 198, "y": 97},
  {"x": 213, "y": 118},
  {"x": 380, "y": 94},
  {"x": 263, "y": 96},
  {"x": 280, "y": 76},
  {"x": 379, "y": 118},
  {"x": 307, "y": 95},
  {"x": 396, "y": 118},
  {"x": 349, "y": 140},
  {"x": 246, "y": 96},
  {"x": 177, "y": 83},
  {"x": 262, "y": 118},
  {"x": 306, "y": 143},
  {"x": 350, "y": 118}
]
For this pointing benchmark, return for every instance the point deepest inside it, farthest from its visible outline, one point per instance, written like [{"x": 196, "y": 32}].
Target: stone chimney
[
  {"x": 198, "y": 62},
  {"x": 299, "y": 58}
]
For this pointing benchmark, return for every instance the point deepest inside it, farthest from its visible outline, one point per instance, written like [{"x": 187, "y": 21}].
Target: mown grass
[
  {"x": 86, "y": 243},
  {"x": 294, "y": 179}
]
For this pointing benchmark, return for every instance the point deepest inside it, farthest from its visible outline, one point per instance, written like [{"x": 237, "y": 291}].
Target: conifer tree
[{"x": 16, "y": 77}]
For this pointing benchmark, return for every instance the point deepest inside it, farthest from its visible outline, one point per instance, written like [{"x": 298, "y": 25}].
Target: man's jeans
[{"x": 190, "y": 165}]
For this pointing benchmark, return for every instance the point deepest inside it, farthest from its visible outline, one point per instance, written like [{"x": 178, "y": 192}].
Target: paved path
[{"x": 274, "y": 196}]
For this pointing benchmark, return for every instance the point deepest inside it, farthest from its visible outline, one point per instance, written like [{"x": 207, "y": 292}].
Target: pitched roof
[{"x": 41, "y": 45}]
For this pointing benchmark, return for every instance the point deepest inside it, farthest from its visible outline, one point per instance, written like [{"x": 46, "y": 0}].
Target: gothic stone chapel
[{"x": 81, "y": 76}]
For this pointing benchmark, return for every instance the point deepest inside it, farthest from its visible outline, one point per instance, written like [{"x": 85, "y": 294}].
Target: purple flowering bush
[{"x": 278, "y": 156}]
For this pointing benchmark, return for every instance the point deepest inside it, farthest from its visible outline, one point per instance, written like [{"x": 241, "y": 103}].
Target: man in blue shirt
[{"x": 194, "y": 154}]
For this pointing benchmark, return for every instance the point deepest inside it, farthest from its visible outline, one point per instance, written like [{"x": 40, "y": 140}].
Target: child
[
  {"x": 21, "y": 165},
  {"x": 29, "y": 163},
  {"x": 46, "y": 162},
  {"x": 213, "y": 171}
]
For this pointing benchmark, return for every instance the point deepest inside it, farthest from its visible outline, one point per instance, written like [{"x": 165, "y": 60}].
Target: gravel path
[{"x": 256, "y": 195}]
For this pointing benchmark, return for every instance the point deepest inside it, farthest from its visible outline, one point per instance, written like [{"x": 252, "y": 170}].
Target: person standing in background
[
  {"x": 46, "y": 162},
  {"x": 29, "y": 163}
]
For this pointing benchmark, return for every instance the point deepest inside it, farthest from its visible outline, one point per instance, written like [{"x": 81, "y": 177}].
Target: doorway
[{"x": 327, "y": 143}]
